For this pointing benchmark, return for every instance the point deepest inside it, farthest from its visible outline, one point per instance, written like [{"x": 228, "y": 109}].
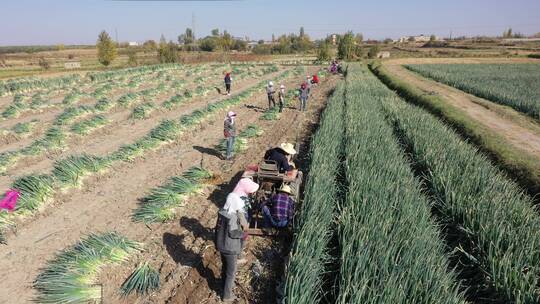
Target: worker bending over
[
  {"x": 278, "y": 211},
  {"x": 282, "y": 155}
]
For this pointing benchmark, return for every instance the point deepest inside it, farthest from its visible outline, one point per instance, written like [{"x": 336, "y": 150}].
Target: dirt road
[{"x": 517, "y": 129}]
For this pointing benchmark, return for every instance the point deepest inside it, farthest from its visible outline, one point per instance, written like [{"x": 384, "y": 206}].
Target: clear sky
[{"x": 26, "y": 22}]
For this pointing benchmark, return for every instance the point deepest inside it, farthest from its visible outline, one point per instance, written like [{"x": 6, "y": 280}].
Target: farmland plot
[
  {"x": 384, "y": 226},
  {"x": 69, "y": 193},
  {"x": 513, "y": 85}
]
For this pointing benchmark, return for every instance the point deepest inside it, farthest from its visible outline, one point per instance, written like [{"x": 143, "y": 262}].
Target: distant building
[
  {"x": 133, "y": 43},
  {"x": 70, "y": 65},
  {"x": 383, "y": 54},
  {"x": 420, "y": 38}
]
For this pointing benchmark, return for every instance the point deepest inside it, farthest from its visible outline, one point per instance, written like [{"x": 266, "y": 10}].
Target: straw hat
[
  {"x": 288, "y": 148},
  {"x": 285, "y": 189}
]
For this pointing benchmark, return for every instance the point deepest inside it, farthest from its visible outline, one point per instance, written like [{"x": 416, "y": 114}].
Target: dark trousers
[
  {"x": 271, "y": 101},
  {"x": 228, "y": 274},
  {"x": 228, "y": 88},
  {"x": 281, "y": 104}
]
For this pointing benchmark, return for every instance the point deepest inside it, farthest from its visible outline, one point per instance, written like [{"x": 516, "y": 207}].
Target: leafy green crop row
[
  {"x": 390, "y": 247},
  {"x": 474, "y": 194},
  {"x": 514, "y": 85},
  {"x": 308, "y": 262}
]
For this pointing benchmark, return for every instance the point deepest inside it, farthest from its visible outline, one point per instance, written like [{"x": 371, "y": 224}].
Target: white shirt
[{"x": 234, "y": 203}]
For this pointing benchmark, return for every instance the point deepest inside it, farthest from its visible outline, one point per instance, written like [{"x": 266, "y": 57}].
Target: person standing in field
[
  {"x": 270, "y": 91},
  {"x": 231, "y": 228},
  {"x": 281, "y": 97},
  {"x": 229, "y": 132},
  {"x": 228, "y": 82},
  {"x": 304, "y": 95}
]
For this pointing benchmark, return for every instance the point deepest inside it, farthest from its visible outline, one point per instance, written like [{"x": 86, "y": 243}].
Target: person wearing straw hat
[
  {"x": 282, "y": 156},
  {"x": 278, "y": 211},
  {"x": 229, "y": 132}
]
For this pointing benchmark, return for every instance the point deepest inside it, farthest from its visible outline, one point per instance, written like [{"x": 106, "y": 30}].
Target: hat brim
[
  {"x": 290, "y": 151},
  {"x": 288, "y": 191}
]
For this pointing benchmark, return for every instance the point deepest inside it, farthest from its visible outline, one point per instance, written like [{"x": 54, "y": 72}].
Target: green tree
[
  {"x": 302, "y": 32},
  {"x": 209, "y": 44},
  {"x": 132, "y": 57},
  {"x": 150, "y": 46},
  {"x": 358, "y": 51},
  {"x": 346, "y": 46},
  {"x": 359, "y": 38},
  {"x": 187, "y": 38},
  {"x": 106, "y": 49},
  {"x": 373, "y": 51},
  {"x": 432, "y": 38},
  {"x": 226, "y": 41},
  {"x": 324, "y": 52},
  {"x": 240, "y": 45},
  {"x": 215, "y": 32}
]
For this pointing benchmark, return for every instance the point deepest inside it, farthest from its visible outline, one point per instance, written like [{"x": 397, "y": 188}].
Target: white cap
[
  {"x": 271, "y": 83},
  {"x": 231, "y": 114},
  {"x": 282, "y": 86}
]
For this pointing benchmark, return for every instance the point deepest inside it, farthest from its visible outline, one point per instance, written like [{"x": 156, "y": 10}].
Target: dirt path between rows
[
  {"x": 106, "y": 202},
  {"x": 517, "y": 129}
]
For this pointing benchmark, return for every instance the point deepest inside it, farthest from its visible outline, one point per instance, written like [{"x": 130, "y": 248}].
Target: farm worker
[
  {"x": 333, "y": 67},
  {"x": 282, "y": 156},
  {"x": 308, "y": 83},
  {"x": 339, "y": 68},
  {"x": 281, "y": 98},
  {"x": 228, "y": 82},
  {"x": 278, "y": 211},
  {"x": 315, "y": 79},
  {"x": 304, "y": 95},
  {"x": 230, "y": 228},
  {"x": 229, "y": 132},
  {"x": 270, "y": 91}
]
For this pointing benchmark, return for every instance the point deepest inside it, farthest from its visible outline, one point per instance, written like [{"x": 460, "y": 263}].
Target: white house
[
  {"x": 70, "y": 65},
  {"x": 133, "y": 43}
]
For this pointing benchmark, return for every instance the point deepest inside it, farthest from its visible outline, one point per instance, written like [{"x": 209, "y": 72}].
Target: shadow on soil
[
  {"x": 198, "y": 230},
  {"x": 184, "y": 256},
  {"x": 208, "y": 151},
  {"x": 219, "y": 195}
]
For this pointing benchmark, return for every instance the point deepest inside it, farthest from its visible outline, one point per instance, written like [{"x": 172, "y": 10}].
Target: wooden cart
[{"x": 267, "y": 175}]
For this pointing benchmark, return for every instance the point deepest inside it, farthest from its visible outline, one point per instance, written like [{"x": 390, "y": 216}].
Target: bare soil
[
  {"x": 182, "y": 250},
  {"x": 516, "y": 128}
]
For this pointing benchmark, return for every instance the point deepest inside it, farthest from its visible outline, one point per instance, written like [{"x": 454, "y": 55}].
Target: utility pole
[
  {"x": 116, "y": 34},
  {"x": 193, "y": 24}
]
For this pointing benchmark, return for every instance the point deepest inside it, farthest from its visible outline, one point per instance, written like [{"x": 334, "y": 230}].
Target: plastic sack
[{"x": 9, "y": 202}]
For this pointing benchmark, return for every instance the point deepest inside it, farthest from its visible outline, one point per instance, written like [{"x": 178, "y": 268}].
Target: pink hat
[
  {"x": 245, "y": 187},
  {"x": 231, "y": 114}
]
